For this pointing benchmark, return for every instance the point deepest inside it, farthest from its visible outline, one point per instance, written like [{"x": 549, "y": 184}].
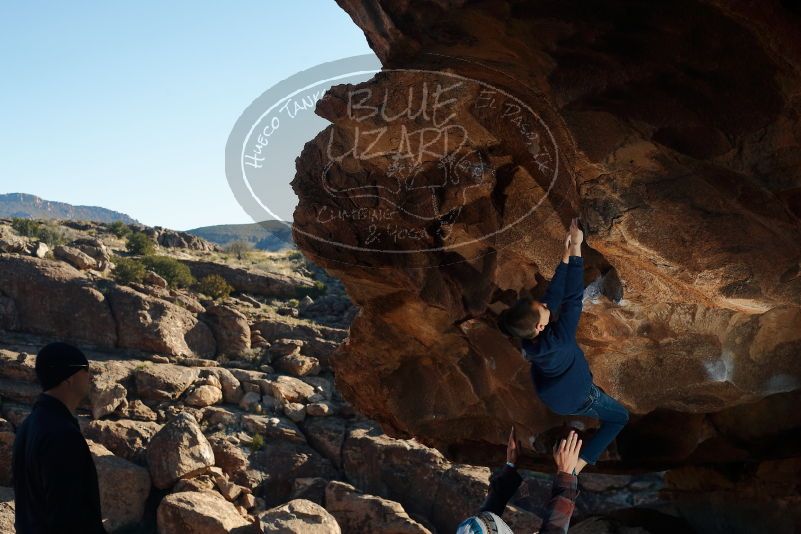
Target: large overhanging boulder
[{"x": 671, "y": 129}]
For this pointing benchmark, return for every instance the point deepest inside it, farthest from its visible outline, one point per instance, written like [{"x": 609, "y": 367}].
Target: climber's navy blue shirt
[{"x": 558, "y": 367}]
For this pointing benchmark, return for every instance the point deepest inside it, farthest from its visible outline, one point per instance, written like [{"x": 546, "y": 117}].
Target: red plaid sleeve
[{"x": 563, "y": 501}]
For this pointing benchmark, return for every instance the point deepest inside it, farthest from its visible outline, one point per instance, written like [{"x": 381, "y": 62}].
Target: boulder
[
  {"x": 231, "y": 387},
  {"x": 309, "y": 488},
  {"x": 250, "y": 401},
  {"x": 295, "y": 411},
  {"x": 220, "y": 415},
  {"x": 204, "y": 395},
  {"x": 327, "y": 436},
  {"x": 229, "y": 457},
  {"x": 40, "y": 249},
  {"x": 154, "y": 279},
  {"x": 125, "y": 438},
  {"x": 10, "y": 242},
  {"x": 163, "y": 381},
  {"x": 200, "y": 512},
  {"x": 150, "y": 324},
  {"x": 75, "y": 257},
  {"x": 7, "y": 513},
  {"x": 6, "y": 448},
  {"x": 178, "y": 450},
  {"x": 689, "y": 202},
  {"x": 177, "y": 239},
  {"x": 358, "y": 512},
  {"x": 318, "y": 340},
  {"x": 381, "y": 465},
  {"x": 284, "y": 461},
  {"x": 230, "y": 328},
  {"x": 290, "y": 389},
  {"x": 297, "y": 365},
  {"x": 273, "y": 427},
  {"x": 96, "y": 249},
  {"x": 137, "y": 410},
  {"x": 54, "y": 299},
  {"x": 298, "y": 516},
  {"x": 319, "y": 409},
  {"x": 107, "y": 393},
  {"x": 285, "y": 347},
  {"x": 124, "y": 488}
]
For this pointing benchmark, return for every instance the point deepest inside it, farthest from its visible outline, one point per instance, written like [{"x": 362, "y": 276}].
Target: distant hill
[
  {"x": 265, "y": 235},
  {"x": 32, "y": 207}
]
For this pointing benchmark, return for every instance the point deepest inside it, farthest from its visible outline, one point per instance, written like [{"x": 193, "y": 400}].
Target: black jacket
[{"x": 55, "y": 480}]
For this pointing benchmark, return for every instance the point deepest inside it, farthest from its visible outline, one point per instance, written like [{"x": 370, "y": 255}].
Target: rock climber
[
  {"x": 560, "y": 372},
  {"x": 504, "y": 484}
]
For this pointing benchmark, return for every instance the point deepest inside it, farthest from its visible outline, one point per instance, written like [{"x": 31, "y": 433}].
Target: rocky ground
[{"x": 223, "y": 416}]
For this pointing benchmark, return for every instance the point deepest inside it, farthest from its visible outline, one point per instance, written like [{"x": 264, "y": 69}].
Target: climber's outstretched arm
[
  {"x": 556, "y": 288},
  {"x": 504, "y": 484}
]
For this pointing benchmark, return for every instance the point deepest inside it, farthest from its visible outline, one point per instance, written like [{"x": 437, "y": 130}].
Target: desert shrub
[
  {"x": 128, "y": 270},
  {"x": 295, "y": 255},
  {"x": 47, "y": 232},
  {"x": 139, "y": 243},
  {"x": 52, "y": 235},
  {"x": 256, "y": 442},
  {"x": 119, "y": 229},
  {"x": 173, "y": 271},
  {"x": 26, "y": 227},
  {"x": 315, "y": 291},
  {"x": 294, "y": 303},
  {"x": 214, "y": 286},
  {"x": 240, "y": 249}
]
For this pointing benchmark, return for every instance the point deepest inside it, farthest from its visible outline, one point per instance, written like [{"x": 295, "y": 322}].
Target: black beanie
[{"x": 58, "y": 361}]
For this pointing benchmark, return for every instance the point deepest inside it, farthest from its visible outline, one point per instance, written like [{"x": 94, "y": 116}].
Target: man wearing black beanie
[{"x": 55, "y": 480}]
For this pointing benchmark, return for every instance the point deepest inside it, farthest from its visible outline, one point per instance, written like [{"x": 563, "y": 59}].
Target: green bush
[
  {"x": 214, "y": 286},
  {"x": 119, "y": 229},
  {"x": 256, "y": 443},
  {"x": 318, "y": 289},
  {"x": 128, "y": 270},
  {"x": 173, "y": 271},
  {"x": 295, "y": 255},
  {"x": 26, "y": 227},
  {"x": 46, "y": 232},
  {"x": 139, "y": 243}
]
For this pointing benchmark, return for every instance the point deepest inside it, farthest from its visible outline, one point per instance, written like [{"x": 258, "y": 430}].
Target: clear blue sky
[{"x": 128, "y": 105}]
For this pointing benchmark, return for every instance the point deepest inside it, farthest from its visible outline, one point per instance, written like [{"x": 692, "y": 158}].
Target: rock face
[
  {"x": 46, "y": 296},
  {"x": 53, "y": 298},
  {"x": 299, "y": 516},
  {"x": 7, "y": 510},
  {"x": 163, "y": 381},
  {"x": 124, "y": 488},
  {"x": 230, "y": 327},
  {"x": 75, "y": 257},
  {"x": 152, "y": 324},
  {"x": 357, "y": 512},
  {"x": 200, "y": 512},
  {"x": 179, "y": 449},
  {"x": 250, "y": 281},
  {"x": 689, "y": 196}
]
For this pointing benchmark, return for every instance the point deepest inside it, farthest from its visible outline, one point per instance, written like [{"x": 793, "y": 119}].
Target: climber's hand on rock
[
  {"x": 566, "y": 453},
  {"x": 512, "y": 447},
  {"x": 576, "y": 235}
]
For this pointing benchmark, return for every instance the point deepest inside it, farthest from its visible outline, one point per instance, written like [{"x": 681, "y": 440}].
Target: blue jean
[{"x": 613, "y": 417}]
